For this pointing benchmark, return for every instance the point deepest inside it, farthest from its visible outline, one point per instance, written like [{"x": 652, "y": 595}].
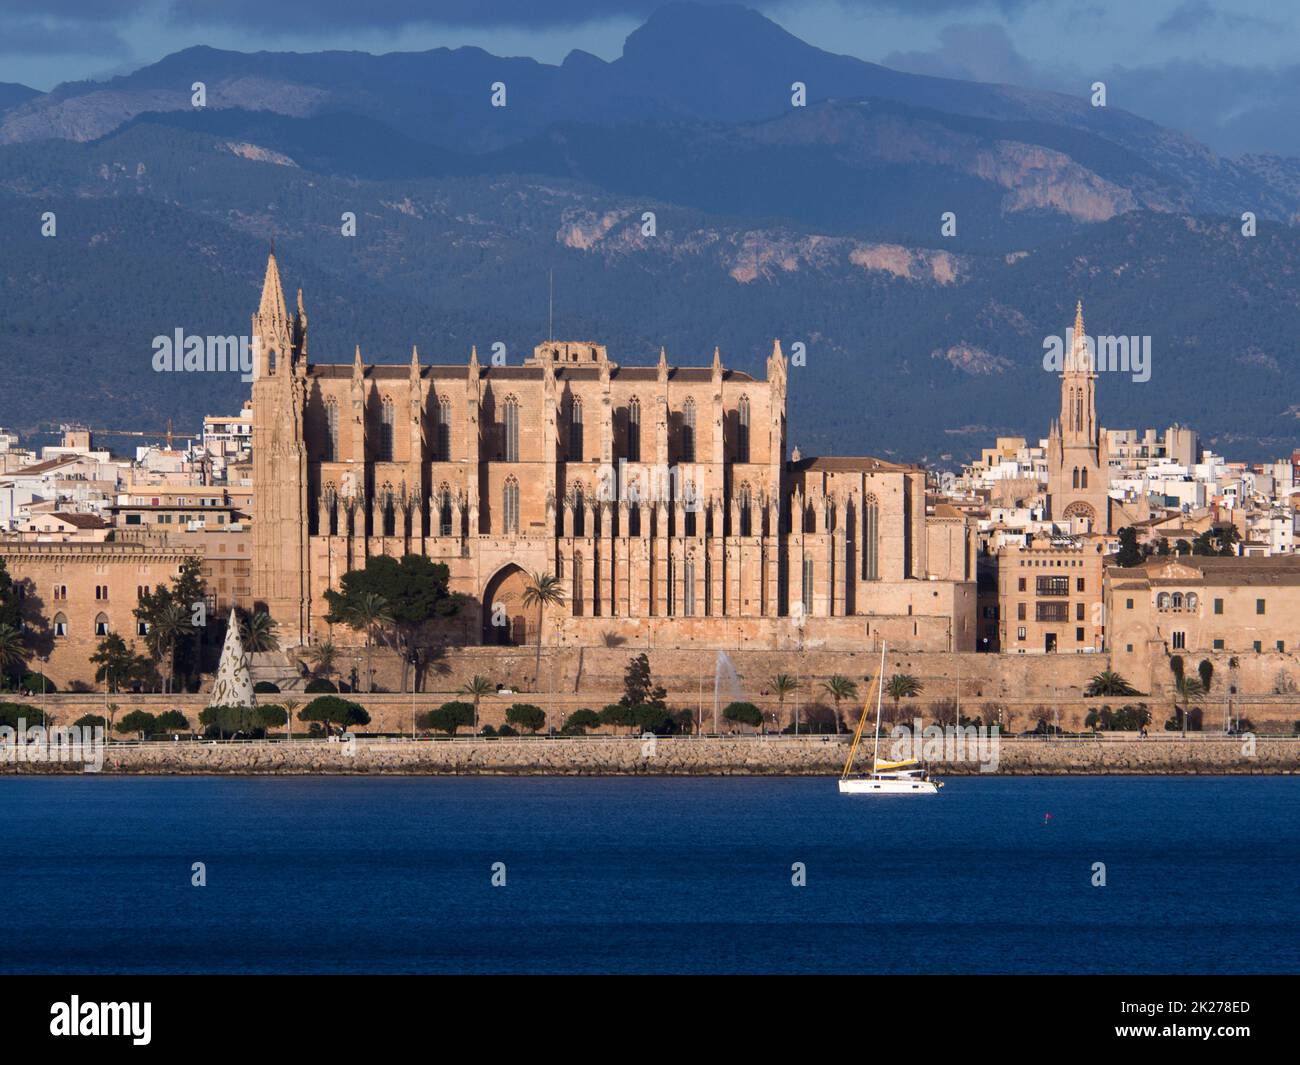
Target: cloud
[
  {"x": 26, "y": 37},
  {"x": 981, "y": 52},
  {"x": 1196, "y": 16}
]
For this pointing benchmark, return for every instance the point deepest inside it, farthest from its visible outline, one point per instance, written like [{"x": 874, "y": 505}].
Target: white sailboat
[{"x": 886, "y": 778}]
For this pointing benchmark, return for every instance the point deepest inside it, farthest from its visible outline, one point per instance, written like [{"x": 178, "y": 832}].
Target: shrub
[
  {"x": 265, "y": 687},
  {"x": 32, "y": 682},
  {"x": 506, "y": 730},
  {"x": 320, "y": 686},
  {"x": 10, "y": 713},
  {"x": 743, "y": 714}
]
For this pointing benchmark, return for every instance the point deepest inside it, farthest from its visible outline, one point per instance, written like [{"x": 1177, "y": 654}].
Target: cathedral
[
  {"x": 1078, "y": 466},
  {"x": 661, "y": 496}
]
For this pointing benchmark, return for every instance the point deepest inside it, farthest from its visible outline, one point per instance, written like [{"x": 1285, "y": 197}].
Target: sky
[{"x": 1226, "y": 71}]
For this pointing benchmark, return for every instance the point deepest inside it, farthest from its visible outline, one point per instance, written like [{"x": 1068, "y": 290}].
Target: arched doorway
[{"x": 504, "y": 616}]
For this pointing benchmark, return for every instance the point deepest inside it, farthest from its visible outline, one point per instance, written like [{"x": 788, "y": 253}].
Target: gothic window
[
  {"x": 1074, "y": 482},
  {"x": 579, "y": 511},
  {"x": 1178, "y": 601},
  {"x": 444, "y": 511},
  {"x": 807, "y": 586},
  {"x": 443, "y": 431},
  {"x": 688, "y": 587},
  {"x": 871, "y": 539},
  {"x": 1083, "y": 477},
  {"x": 742, "y": 431},
  {"x": 510, "y": 508},
  {"x": 1162, "y": 601},
  {"x": 745, "y": 522},
  {"x": 1078, "y": 408},
  {"x": 688, "y": 430},
  {"x": 101, "y": 624},
  {"x": 1192, "y": 600},
  {"x": 331, "y": 430},
  {"x": 387, "y": 419},
  {"x": 60, "y": 625},
  {"x": 575, "y": 431},
  {"x": 389, "y": 512},
  {"x": 512, "y": 429},
  {"x": 691, "y": 503},
  {"x": 634, "y": 430}
]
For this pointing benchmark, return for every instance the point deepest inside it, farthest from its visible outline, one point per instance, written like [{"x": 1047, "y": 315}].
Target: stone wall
[{"x": 684, "y": 757}]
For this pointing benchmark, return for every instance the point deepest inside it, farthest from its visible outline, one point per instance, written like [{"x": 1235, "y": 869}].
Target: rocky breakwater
[{"x": 630, "y": 756}]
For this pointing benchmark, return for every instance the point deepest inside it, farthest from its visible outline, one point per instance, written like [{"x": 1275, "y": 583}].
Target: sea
[{"x": 286, "y": 875}]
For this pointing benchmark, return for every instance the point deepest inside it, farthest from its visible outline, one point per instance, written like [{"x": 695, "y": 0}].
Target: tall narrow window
[
  {"x": 577, "y": 585},
  {"x": 575, "y": 431},
  {"x": 387, "y": 419},
  {"x": 746, "y": 524},
  {"x": 444, "y": 512},
  {"x": 1074, "y": 482},
  {"x": 331, "y": 430},
  {"x": 688, "y": 430},
  {"x": 389, "y": 512},
  {"x": 691, "y": 501},
  {"x": 742, "y": 430},
  {"x": 443, "y": 431},
  {"x": 512, "y": 429},
  {"x": 510, "y": 510},
  {"x": 871, "y": 539},
  {"x": 634, "y": 430},
  {"x": 807, "y": 587},
  {"x": 1083, "y": 477},
  {"x": 688, "y": 587},
  {"x": 579, "y": 512}
]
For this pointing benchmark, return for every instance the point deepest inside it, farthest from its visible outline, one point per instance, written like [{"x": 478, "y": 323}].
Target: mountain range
[{"x": 819, "y": 224}]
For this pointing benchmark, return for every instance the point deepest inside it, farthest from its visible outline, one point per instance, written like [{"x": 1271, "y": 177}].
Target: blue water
[{"x": 648, "y": 875}]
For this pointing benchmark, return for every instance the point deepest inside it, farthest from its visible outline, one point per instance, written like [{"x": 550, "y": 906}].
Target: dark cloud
[
  {"x": 95, "y": 11},
  {"x": 29, "y": 37},
  {"x": 972, "y": 52},
  {"x": 1194, "y": 16}
]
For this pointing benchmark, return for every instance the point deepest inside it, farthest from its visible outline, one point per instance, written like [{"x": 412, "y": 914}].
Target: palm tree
[
  {"x": 477, "y": 688},
  {"x": 542, "y": 590},
  {"x": 839, "y": 687},
  {"x": 258, "y": 633},
  {"x": 783, "y": 684},
  {"x": 369, "y": 613},
  {"x": 13, "y": 651},
  {"x": 1108, "y": 682},
  {"x": 901, "y": 686},
  {"x": 322, "y": 657},
  {"x": 172, "y": 622}
]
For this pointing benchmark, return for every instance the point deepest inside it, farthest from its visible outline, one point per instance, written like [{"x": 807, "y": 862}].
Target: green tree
[
  {"x": 323, "y": 657},
  {"x": 618, "y": 715},
  {"x": 1188, "y": 691},
  {"x": 168, "y": 613},
  {"x": 542, "y": 590},
  {"x": 579, "y": 721},
  {"x": 13, "y": 651},
  {"x": 476, "y": 689},
  {"x": 118, "y": 664},
  {"x": 332, "y": 710},
  {"x": 414, "y": 592},
  {"x": 639, "y": 688},
  {"x": 448, "y": 717},
  {"x": 173, "y": 721},
  {"x": 526, "y": 716},
  {"x": 902, "y": 686},
  {"x": 1108, "y": 682},
  {"x": 839, "y": 688},
  {"x": 743, "y": 714},
  {"x": 140, "y": 721},
  {"x": 1129, "y": 553},
  {"x": 12, "y": 713},
  {"x": 259, "y": 633},
  {"x": 783, "y": 684}
]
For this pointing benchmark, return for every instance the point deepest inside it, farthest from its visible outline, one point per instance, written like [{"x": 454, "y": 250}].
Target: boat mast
[{"x": 880, "y": 690}]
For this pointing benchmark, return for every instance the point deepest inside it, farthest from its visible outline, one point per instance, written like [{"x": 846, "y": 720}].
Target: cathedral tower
[
  {"x": 280, "y": 556},
  {"x": 1078, "y": 477}
]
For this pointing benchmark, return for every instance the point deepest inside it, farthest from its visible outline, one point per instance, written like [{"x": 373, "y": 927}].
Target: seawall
[{"x": 630, "y": 756}]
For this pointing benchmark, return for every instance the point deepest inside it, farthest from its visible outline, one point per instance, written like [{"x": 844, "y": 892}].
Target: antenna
[{"x": 550, "y": 307}]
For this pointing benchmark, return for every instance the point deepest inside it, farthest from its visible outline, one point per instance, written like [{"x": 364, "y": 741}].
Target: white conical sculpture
[{"x": 234, "y": 684}]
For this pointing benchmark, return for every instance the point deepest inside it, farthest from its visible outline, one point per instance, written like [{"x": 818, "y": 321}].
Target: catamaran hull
[{"x": 869, "y": 786}]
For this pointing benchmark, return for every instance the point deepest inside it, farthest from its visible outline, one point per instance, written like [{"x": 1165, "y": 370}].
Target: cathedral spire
[
  {"x": 357, "y": 369},
  {"x": 272, "y": 307},
  {"x": 415, "y": 361}
]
